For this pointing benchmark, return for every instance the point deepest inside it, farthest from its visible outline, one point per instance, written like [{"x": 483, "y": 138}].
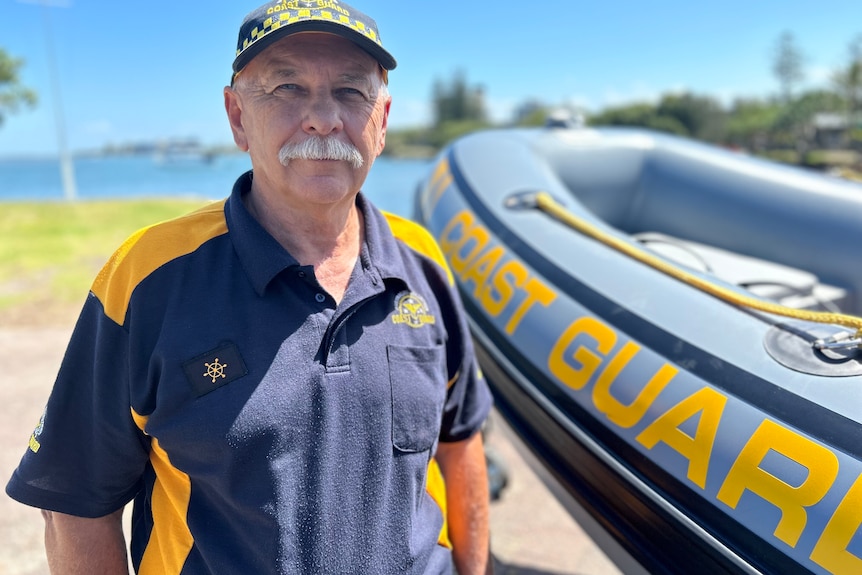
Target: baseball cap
[{"x": 278, "y": 19}]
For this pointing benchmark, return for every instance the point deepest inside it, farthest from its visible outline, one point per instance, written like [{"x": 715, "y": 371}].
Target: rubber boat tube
[{"x": 700, "y": 436}]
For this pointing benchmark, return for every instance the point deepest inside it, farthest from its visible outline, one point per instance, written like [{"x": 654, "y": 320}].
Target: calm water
[{"x": 390, "y": 185}]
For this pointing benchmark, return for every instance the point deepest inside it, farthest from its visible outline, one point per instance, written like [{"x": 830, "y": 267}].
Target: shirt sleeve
[
  {"x": 86, "y": 456},
  {"x": 468, "y": 400}
]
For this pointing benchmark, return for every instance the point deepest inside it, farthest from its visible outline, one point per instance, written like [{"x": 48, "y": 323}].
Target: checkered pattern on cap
[{"x": 275, "y": 20}]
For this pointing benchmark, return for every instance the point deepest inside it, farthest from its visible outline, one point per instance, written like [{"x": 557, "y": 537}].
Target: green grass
[
  {"x": 837, "y": 158},
  {"x": 51, "y": 251}
]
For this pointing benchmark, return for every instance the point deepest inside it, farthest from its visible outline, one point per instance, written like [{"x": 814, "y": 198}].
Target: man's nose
[{"x": 322, "y": 115}]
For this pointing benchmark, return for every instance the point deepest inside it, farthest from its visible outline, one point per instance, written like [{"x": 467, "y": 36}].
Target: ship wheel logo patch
[
  {"x": 411, "y": 310},
  {"x": 214, "y": 369}
]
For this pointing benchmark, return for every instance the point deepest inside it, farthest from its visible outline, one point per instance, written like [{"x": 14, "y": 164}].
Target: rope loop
[{"x": 546, "y": 203}]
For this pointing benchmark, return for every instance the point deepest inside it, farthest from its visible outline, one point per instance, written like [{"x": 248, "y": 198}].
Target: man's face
[{"x": 310, "y": 84}]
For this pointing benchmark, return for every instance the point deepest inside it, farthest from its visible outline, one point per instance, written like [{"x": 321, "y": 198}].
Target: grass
[{"x": 51, "y": 251}]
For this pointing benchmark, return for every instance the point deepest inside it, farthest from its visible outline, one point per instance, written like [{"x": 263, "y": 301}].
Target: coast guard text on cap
[{"x": 276, "y": 20}]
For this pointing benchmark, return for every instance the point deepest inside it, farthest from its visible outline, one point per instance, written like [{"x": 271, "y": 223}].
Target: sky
[{"x": 137, "y": 71}]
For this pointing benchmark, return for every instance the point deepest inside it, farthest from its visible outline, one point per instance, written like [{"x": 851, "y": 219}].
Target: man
[{"x": 281, "y": 381}]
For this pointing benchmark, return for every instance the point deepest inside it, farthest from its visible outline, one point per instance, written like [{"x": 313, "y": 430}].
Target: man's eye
[
  {"x": 350, "y": 93},
  {"x": 286, "y": 88}
]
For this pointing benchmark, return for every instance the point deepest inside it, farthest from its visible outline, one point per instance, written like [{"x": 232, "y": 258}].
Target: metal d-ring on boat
[{"x": 843, "y": 340}]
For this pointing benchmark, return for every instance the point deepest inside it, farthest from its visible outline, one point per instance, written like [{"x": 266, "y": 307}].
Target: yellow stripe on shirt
[
  {"x": 171, "y": 539},
  {"x": 419, "y": 239},
  {"x": 150, "y": 248}
]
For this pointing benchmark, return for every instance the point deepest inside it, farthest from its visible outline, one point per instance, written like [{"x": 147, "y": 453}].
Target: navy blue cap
[{"x": 276, "y": 20}]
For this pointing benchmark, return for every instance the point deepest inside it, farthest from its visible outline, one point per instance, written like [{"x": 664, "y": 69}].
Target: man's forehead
[
  {"x": 311, "y": 53},
  {"x": 318, "y": 47}
]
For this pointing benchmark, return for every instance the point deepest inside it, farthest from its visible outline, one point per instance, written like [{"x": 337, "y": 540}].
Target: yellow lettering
[
  {"x": 478, "y": 236},
  {"x": 504, "y": 289},
  {"x": 440, "y": 180},
  {"x": 537, "y": 292},
  {"x": 461, "y": 222},
  {"x": 295, "y": 5},
  {"x": 460, "y": 231},
  {"x": 831, "y": 549},
  {"x": 278, "y": 8},
  {"x": 822, "y": 466},
  {"x": 698, "y": 449},
  {"x": 628, "y": 415},
  {"x": 480, "y": 270},
  {"x": 465, "y": 242},
  {"x": 577, "y": 377}
]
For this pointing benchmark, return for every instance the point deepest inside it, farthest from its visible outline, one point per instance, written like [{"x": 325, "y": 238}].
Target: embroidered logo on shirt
[
  {"x": 214, "y": 369},
  {"x": 34, "y": 439},
  {"x": 411, "y": 309}
]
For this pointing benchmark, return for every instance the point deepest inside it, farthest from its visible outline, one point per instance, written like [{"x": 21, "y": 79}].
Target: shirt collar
[
  {"x": 261, "y": 255},
  {"x": 263, "y": 258},
  {"x": 380, "y": 253}
]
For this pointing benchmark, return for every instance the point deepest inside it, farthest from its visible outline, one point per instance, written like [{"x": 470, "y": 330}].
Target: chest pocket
[{"x": 418, "y": 379}]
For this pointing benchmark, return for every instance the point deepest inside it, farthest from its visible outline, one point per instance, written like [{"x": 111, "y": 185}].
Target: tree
[
  {"x": 458, "y": 110},
  {"x": 848, "y": 82},
  {"x": 456, "y": 102},
  {"x": 701, "y": 116},
  {"x": 642, "y": 115},
  {"x": 793, "y": 128},
  {"x": 750, "y": 122},
  {"x": 12, "y": 93},
  {"x": 530, "y": 113},
  {"x": 787, "y": 65}
]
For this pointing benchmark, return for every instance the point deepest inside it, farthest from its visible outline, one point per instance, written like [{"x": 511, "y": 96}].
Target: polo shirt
[{"x": 258, "y": 426}]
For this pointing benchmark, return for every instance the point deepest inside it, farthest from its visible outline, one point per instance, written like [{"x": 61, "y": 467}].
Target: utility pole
[{"x": 67, "y": 169}]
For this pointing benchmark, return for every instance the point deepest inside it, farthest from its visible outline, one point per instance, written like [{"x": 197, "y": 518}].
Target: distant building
[{"x": 832, "y": 131}]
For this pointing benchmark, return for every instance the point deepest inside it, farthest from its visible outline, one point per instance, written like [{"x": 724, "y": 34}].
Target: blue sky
[{"x": 137, "y": 71}]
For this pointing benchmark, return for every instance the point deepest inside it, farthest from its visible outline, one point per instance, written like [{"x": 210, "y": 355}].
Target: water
[{"x": 390, "y": 184}]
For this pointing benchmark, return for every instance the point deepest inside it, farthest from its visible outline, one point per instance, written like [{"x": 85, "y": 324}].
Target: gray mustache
[{"x": 320, "y": 148}]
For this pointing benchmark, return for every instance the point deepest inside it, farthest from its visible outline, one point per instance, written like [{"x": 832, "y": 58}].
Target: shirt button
[
  {"x": 320, "y": 298},
  {"x": 301, "y": 274}
]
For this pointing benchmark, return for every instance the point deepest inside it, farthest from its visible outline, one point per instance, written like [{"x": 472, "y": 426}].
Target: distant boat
[
  {"x": 672, "y": 329},
  {"x": 182, "y": 152}
]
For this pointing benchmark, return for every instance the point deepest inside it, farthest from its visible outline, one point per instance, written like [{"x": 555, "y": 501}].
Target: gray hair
[{"x": 321, "y": 148}]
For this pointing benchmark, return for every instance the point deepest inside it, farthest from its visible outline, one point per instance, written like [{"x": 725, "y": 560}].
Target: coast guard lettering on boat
[
  {"x": 797, "y": 493},
  {"x": 499, "y": 279}
]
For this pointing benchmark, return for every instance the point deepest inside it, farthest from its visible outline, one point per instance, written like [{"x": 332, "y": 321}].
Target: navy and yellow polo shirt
[{"x": 259, "y": 427}]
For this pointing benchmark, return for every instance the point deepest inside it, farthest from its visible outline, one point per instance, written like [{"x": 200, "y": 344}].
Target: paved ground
[{"x": 531, "y": 533}]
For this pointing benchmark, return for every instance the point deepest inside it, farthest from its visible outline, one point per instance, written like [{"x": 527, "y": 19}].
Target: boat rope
[{"x": 546, "y": 203}]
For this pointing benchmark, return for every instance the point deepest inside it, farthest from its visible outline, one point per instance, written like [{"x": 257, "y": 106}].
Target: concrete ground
[{"x": 531, "y": 533}]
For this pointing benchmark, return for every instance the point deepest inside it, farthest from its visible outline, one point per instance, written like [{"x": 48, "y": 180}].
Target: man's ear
[
  {"x": 233, "y": 107},
  {"x": 384, "y": 124}
]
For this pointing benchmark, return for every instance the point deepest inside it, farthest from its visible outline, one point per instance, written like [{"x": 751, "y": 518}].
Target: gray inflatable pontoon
[{"x": 670, "y": 327}]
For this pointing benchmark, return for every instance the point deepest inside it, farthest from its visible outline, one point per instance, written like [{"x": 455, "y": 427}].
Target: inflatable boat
[{"x": 672, "y": 329}]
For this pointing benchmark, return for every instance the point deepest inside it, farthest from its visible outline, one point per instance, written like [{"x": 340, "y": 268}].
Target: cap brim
[{"x": 373, "y": 48}]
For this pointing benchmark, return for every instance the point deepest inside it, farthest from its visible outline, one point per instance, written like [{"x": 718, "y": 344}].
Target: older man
[{"x": 283, "y": 382}]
